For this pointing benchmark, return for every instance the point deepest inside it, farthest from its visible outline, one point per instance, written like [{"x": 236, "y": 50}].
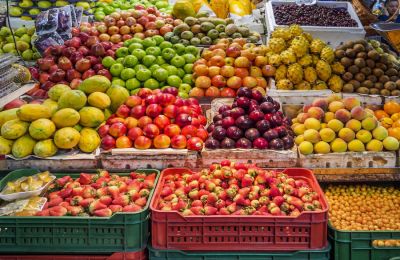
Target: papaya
[
  {"x": 91, "y": 117},
  {"x": 99, "y": 100},
  {"x": 8, "y": 115},
  {"x": 66, "y": 138},
  {"x": 75, "y": 99},
  {"x": 32, "y": 112},
  {"x": 65, "y": 117},
  {"x": 89, "y": 140},
  {"x": 23, "y": 146},
  {"x": 5, "y": 145},
  {"x": 183, "y": 9},
  {"x": 42, "y": 129},
  {"x": 118, "y": 96},
  {"x": 45, "y": 148},
  {"x": 57, "y": 90},
  {"x": 14, "y": 129},
  {"x": 52, "y": 105},
  {"x": 95, "y": 83}
]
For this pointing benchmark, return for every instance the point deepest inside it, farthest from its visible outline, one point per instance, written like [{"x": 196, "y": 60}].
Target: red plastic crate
[
  {"x": 139, "y": 255},
  {"x": 171, "y": 230}
]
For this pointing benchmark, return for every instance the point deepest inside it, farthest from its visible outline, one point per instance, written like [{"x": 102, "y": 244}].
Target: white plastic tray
[{"x": 26, "y": 194}]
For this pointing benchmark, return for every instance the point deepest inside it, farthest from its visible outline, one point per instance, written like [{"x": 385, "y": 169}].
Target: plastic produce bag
[
  {"x": 78, "y": 13},
  {"x": 73, "y": 16},
  {"x": 47, "y": 22},
  {"x": 46, "y": 40},
  {"x": 240, "y": 7},
  {"x": 220, "y": 8},
  {"x": 64, "y": 20}
]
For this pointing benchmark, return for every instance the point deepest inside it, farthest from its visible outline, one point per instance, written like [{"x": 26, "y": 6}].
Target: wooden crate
[{"x": 131, "y": 158}]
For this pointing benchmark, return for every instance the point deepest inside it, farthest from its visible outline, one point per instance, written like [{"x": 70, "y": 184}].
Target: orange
[
  {"x": 395, "y": 116},
  {"x": 380, "y": 114},
  {"x": 391, "y": 107},
  {"x": 396, "y": 123},
  {"x": 212, "y": 92},
  {"x": 394, "y": 132},
  {"x": 386, "y": 122}
]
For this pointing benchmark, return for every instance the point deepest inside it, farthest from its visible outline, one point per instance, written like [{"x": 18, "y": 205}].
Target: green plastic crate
[
  {"x": 120, "y": 232},
  {"x": 185, "y": 255},
  {"x": 357, "y": 245}
]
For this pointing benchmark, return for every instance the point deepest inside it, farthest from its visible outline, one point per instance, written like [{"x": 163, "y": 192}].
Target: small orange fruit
[
  {"x": 380, "y": 114},
  {"x": 391, "y": 107},
  {"x": 394, "y": 132}
]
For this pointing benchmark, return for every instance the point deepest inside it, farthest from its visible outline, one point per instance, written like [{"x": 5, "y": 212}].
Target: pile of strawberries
[
  {"x": 237, "y": 189},
  {"x": 98, "y": 195}
]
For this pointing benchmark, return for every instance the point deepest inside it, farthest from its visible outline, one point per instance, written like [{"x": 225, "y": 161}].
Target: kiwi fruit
[
  {"x": 395, "y": 92},
  {"x": 398, "y": 83},
  {"x": 383, "y": 79},
  {"x": 374, "y": 55},
  {"x": 381, "y": 66},
  {"x": 378, "y": 72},
  {"x": 353, "y": 69},
  {"x": 348, "y": 88},
  {"x": 348, "y": 45},
  {"x": 361, "y": 41},
  {"x": 362, "y": 55},
  {"x": 385, "y": 92},
  {"x": 372, "y": 78},
  {"x": 362, "y": 90},
  {"x": 391, "y": 72},
  {"x": 340, "y": 53},
  {"x": 384, "y": 59},
  {"x": 359, "y": 77},
  {"x": 366, "y": 71},
  {"x": 374, "y": 91},
  {"x": 359, "y": 47},
  {"x": 350, "y": 53},
  {"x": 347, "y": 76},
  {"x": 390, "y": 85},
  {"x": 359, "y": 62},
  {"x": 346, "y": 62},
  {"x": 356, "y": 84},
  {"x": 367, "y": 84},
  {"x": 394, "y": 78},
  {"x": 378, "y": 85},
  {"x": 370, "y": 63}
]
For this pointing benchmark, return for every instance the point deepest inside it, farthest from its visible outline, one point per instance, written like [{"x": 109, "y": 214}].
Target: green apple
[
  {"x": 127, "y": 43},
  {"x": 118, "y": 82},
  {"x": 155, "y": 51},
  {"x": 138, "y": 53},
  {"x": 171, "y": 70},
  {"x": 120, "y": 60},
  {"x": 188, "y": 68},
  {"x": 135, "y": 91},
  {"x": 188, "y": 79},
  {"x": 108, "y": 10},
  {"x": 165, "y": 45},
  {"x": 130, "y": 61},
  {"x": 149, "y": 42},
  {"x": 158, "y": 39},
  {"x": 160, "y": 60},
  {"x": 26, "y": 4},
  {"x": 135, "y": 45},
  {"x": 15, "y": 11},
  {"x": 127, "y": 73},
  {"x": 174, "y": 81},
  {"x": 168, "y": 53},
  {"x": 132, "y": 84},
  {"x": 143, "y": 74},
  {"x": 183, "y": 95},
  {"x": 178, "y": 61},
  {"x": 108, "y": 61},
  {"x": 154, "y": 67},
  {"x": 189, "y": 58},
  {"x": 99, "y": 16},
  {"x": 116, "y": 69},
  {"x": 160, "y": 74},
  {"x": 34, "y": 11},
  {"x": 179, "y": 48},
  {"x": 151, "y": 84},
  {"x": 61, "y": 3},
  {"x": 184, "y": 88},
  {"x": 181, "y": 73},
  {"x": 192, "y": 50},
  {"x": 84, "y": 5},
  {"x": 139, "y": 67},
  {"x": 148, "y": 60},
  {"x": 122, "y": 52}
]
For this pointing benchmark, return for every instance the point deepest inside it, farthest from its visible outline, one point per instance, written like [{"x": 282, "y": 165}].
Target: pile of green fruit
[
  {"x": 152, "y": 63},
  {"x": 23, "y": 37},
  {"x": 208, "y": 30},
  {"x": 104, "y": 8}
]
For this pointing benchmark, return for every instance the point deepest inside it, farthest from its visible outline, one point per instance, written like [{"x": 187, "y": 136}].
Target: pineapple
[
  {"x": 275, "y": 60},
  {"x": 284, "y": 84},
  {"x": 308, "y": 36},
  {"x": 288, "y": 57},
  {"x": 304, "y": 85},
  {"x": 327, "y": 54},
  {"x": 277, "y": 45},
  {"x": 335, "y": 83},
  {"x": 323, "y": 70},
  {"x": 305, "y": 61},
  {"x": 320, "y": 85},
  {"x": 337, "y": 68},
  {"x": 295, "y": 73},
  {"x": 300, "y": 46},
  {"x": 281, "y": 72},
  {"x": 283, "y": 33},
  {"x": 295, "y": 30},
  {"x": 315, "y": 59},
  {"x": 310, "y": 74},
  {"x": 317, "y": 45}
]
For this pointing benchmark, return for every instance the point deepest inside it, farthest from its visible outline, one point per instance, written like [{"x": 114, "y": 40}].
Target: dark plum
[
  {"x": 212, "y": 143},
  {"x": 256, "y": 95},
  {"x": 252, "y": 134},
  {"x": 276, "y": 144},
  {"x": 263, "y": 125},
  {"x": 217, "y": 118},
  {"x": 234, "y": 132},
  {"x": 267, "y": 107},
  {"x": 269, "y": 99},
  {"x": 282, "y": 131},
  {"x": 223, "y": 108},
  {"x": 243, "y": 143},
  {"x": 237, "y": 112},
  {"x": 279, "y": 113},
  {"x": 226, "y": 113},
  {"x": 244, "y": 122},
  {"x": 268, "y": 117},
  {"x": 234, "y": 104},
  {"x": 218, "y": 123},
  {"x": 243, "y": 102},
  {"x": 244, "y": 92},
  {"x": 271, "y": 134},
  {"x": 276, "y": 120},
  {"x": 211, "y": 127},
  {"x": 260, "y": 143},
  {"x": 256, "y": 115},
  {"x": 227, "y": 143},
  {"x": 277, "y": 106},
  {"x": 288, "y": 142},
  {"x": 219, "y": 133},
  {"x": 228, "y": 121}
]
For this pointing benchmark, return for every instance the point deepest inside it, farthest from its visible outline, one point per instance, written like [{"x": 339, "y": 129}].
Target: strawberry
[
  {"x": 72, "y": 185},
  {"x": 197, "y": 210},
  {"x": 122, "y": 186},
  {"x": 233, "y": 182},
  {"x": 239, "y": 174},
  {"x": 253, "y": 195},
  {"x": 144, "y": 193},
  {"x": 141, "y": 201},
  {"x": 317, "y": 204},
  {"x": 187, "y": 212},
  {"x": 78, "y": 191},
  {"x": 275, "y": 211},
  {"x": 171, "y": 197},
  {"x": 96, "y": 205},
  {"x": 74, "y": 210},
  {"x": 220, "y": 204},
  {"x": 307, "y": 198},
  {"x": 308, "y": 207},
  {"x": 46, "y": 205},
  {"x": 244, "y": 191},
  {"x": 148, "y": 182},
  {"x": 263, "y": 209},
  {"x": 240, "y": 166},
  {"x": 103, "y": 191},
  {"x": 136, "y": 186},
  {"x": 197, "y": 203},
  {"x": 86, "y": 202},
  {"x": 103, "y": 212},
  {"x": 274, "y": 191},
  {"x": 250, "y": 210},
  {"x": 223, "y": 211},
  {"x": 106, "y": 199},
  {"x": 298, "y": 203},
  {"x": 212, "y": 198},
  {"x": 285, "y": 207},
  {"x": 222, "y": 195},
  {"x": 179, "y": 206},
  {"x": 134, "y": 195},
  {"x": 85, "y": 178},
  {"x": 43, "y": 213},
  {"x": 194, "y": 184},
  {"x": 278, "y": 200},
  {"x": 54, "y": 194},
  {"x": 260, "y": 179},
  {"x": 300, "y": 183},
  {"x": 226, "y": 163},
  {"x": 88, "y": 192},
  {"x": 226, "y": 172},
  {"x": 76, "y": 200},
  {"x": 232, "y": 207},
  {"x": 64, "y": 193},
  {"x": 64, "y": 204},
  {"x": 62, "y": 181},
  {"x": 113, "y": 191},
  {"x": 209, "y": 185},
  {"x": 231, "y": 193},
  {"x": 203, "y": 192},
  {"x": 194, "y": 194},
  {"x": 208, "y": 210},
  {"x": 103, "y": 173},
  {"x": 122, "y": 200},
  {"x": 166, "y": 191},
  {"x": 133, "y": 175},
  {"x": 264, "y": 200},
  {"x": 239, "y": 199},
  {"x": 217, "y": 174},
  {"x": 302, "y": 191},
  {"x": 247, "y": 180},
  {"x": 55, "y": 201},
  {"x": 57, "y": 211},
  {"x": 115, "y": 208},
  {"x": 255, "y": 203},
  {"x": 131, "y": 208},
  {"x": 295, "y": 213}
]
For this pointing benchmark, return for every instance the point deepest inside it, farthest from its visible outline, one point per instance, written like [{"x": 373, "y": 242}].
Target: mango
[
  {"x": 89, "y": 140},
  {"x": 118, "y": 96},
  {"x": 66, "y": 138},
  {"x": 66, "y": 117},
  {"x": 32, "y": 112},
  {"x": 57, "y": 90},
  {"x": 5, "y": 146},
  {"x": 75, "y": 99},
  {"x": 45, "y": 148},
  {"x": 99, "y": 100},
  {"x": 23, "y": 146},
  {"x": 8, "y": 115},
  {"x": 91, "y": 117},
  {"x": 14, "y": 129},
  {"x": 42, "y": 129},
  {"x": 52, "y": 105},
  {"x": 96, "y": 83}
]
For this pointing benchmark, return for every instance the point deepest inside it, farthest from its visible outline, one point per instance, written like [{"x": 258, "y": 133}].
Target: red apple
[
  {"x": 153, "y": 110},
  {"x": 161, "y": 141},
  {"x": 227, "y": 71},
  {"x": 172, "y": 130},
  {"x": 130, "y": 122},
  {"x": 75, "y": 83},
  {"x": 233, "y": 51},
  {"x": 202, "y": 134},
  {"x": 107, "y": 142},
  {"x": 142, "y": 142},
  {"x": 138, "y": 111},
  {"x": 189, "y": 131},
  {"x": 144, "y": 120},
  {"x": 133, "y": 101},
  {"x": 161, "y": 121},
  {"x": 195, "y": 144},
  {"x": 57, "y": 76},
  {"x": 151, "y": 130},
  {"x": 14, "y": 104},
  {"x": 123, "y": 111},
  {"x": 134, "y": 133},
  {"x": 43, "y": 78},
  {"x": 218, "y": 81},
  {"x": 117, "y": 129},
  {"x": 87, "y": 74},
  {"x": 178, "y": 142},
  {"x": 73, "y": 74},
  {"x": 105, "y": 73},
  {"x": 103, "y": 130},
  {"x": 82, "y": 65},
  {"x": 64, "y": 63}
]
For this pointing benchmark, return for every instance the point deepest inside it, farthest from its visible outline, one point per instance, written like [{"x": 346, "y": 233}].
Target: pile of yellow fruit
[
  {"x": 301, "y": 62},
  {"x": 338, "y": 125},
  {"x": 30, "y": 183},
  {"x": 364, "y": 207},
  {"x": 67, "y": 120},
  {"x": 389, "y": 117}
]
